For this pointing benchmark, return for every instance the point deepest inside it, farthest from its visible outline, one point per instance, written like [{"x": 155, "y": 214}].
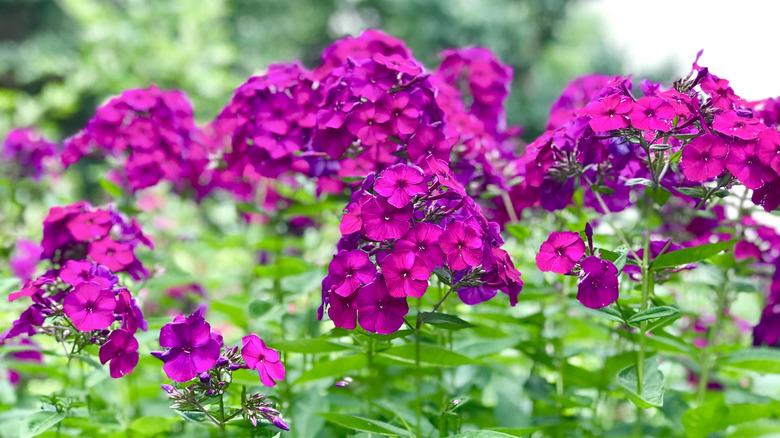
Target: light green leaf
[
  {"x": 762, "y": 360},
  {"x": 309, "y": 346},
  {"x": 652, "y": 384},
  {"x": 430, "y": 355},
  {"x": 654, "y": 313},
  {"x": 330, "y": 368},
  {"x": 149, "y": 426},
  {"x": 484, "y": 434},
  {"x": 365, "y": 424},
  {"x": 40, "y": 422},
  {"x": 284, "y": 267}
]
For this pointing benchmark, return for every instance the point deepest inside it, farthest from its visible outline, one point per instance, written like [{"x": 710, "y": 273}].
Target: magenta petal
[{"x": 205, "y": 357}]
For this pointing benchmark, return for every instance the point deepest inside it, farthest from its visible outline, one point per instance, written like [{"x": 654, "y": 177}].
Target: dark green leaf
[
  {"x": 610, "y": 313},
  {"x": 689, "y": 255},
  {"x": 652, "y": 394},
  {"x": 443, "y": 320},
  {"x": 659, "y": 195},
  {"x": 283, "y": 267}
]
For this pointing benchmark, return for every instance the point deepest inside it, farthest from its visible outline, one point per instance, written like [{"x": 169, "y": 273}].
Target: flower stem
[
  {"x": 707, "y": 355},
  {"x": 418, "y": 373}
]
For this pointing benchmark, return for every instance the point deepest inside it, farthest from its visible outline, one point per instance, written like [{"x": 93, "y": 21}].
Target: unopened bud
[
  {"x": 205, "y": 377},
  {"x": 93, "y": 339},
  {"x": 222, "y": 361},
  {"x": 234, "y": 366},
  {"x": 278, "y": 422},
  {"x": 209, "y": 392},
  {"x": 168, "y": 388}
]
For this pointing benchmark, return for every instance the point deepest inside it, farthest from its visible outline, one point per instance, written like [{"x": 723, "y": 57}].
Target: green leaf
[
  {"x": 659, "y": 195},
  {"x": 154, "y": 425},
  {"x": 430, "y": 355},
  {"x": 486, "y": 434},
  {"x": 705, "y": 419},
  {"x": 652, "y": 384},
  {"x": 309, "y": 346},
  {"x": 283, "y": 267},
  {"x": 248, "y": 207},
  {"x": 111, "y": 188},
  {"x": 637, "y": 181},
  {"x": 675, "y": 157},
  {"x": 193, "y": 416},
  {"x": 520, "y": 232},
  {"x": 659, "y": 147},
  {"x": 258, "y": 308},
  {"x": 620, "y": 262},
  {"x": 365, "y": 424},
  {"x": 654, "y": 313},
  {"x": 443, "y": 320},
  {"x": 689, "y": 255},
  {"x": 40, "y": 422},
  {"x": 336, "y": 367},
  {"x": 762, "y": 360},
  {"x": 605, "y": 312}
]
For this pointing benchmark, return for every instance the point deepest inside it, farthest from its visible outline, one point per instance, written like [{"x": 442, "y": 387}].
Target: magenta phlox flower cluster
[
  {"x": 30, "y": 151},
  {"x": 150, "y": 132},
  {"x": 565, "y": 253},
  {"x": 378, "y": 107},
  {"x": 87, "y": 297},
  {"x": 270, "y": 123},
  {"x": 192, "y": 349},
  {"x": 79, "y": 231},
  {"x": 472, "y": 87},
  {"x": 401, "y": 226}
]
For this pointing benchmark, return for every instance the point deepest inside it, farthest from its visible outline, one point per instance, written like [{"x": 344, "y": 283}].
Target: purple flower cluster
[
  {"x": 270, "y": 124},
  {"x": 84, "y": 296},
  {"x": 401, "y": 226},
  {"x": 79, "y": 231},
  {"x": 30, "y": 151},
  {"x": 192, "y": 349},
  {"x": 694, "y": 132},
  {"x": 562, "y": 253},
  {"x": 376, "y": 110},
  {"x": 152, "y": 134}
]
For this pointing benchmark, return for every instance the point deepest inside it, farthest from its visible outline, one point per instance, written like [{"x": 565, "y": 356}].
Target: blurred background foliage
[{"x": 60, "y": 59}]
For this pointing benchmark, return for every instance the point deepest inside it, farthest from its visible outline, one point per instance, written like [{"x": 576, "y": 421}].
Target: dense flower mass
[
  {"x": 31, "y": 152},
  {"x": 151, "y": 133},
  {"x": 401, "y": 226},
  {"x": 78, "y": 231}
]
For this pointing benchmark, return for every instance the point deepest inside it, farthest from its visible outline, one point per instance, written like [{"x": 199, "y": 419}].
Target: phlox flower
[
  {"x": 90, "y": 306},
  {"x": 422, "y": 240},
  {"x": 379, "y": 312},
  {"x": 263, "y": 359},
  {"x": 121, "y": 350},
  {"x": 609, "y": 113},
  {"x": 462, "y": 243},
  {"x": 349, "y": 270},
  {"x": 560, "y": 252},
  {"x": 652, "y": 113},
  {"x": 704, "y": 157},
  {"x": 405, "y": 275},
  {"x": 192, "y": 349},
  {"x": 598, "y": 286},
  {"x": 383, "y": 221},
  {"x": 731, "y": 124},
  {"x": 744, "y": 163},
  {"x": 399, "y": 183}
]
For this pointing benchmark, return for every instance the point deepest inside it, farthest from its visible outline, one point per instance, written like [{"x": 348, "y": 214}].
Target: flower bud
[
  {"x": 205, "y": 377},
  {"x": 168, "y": 388},
  {"x": 93, "y": 339},
  {"x": 222, "y": 384},
  {"x": 278, "y": 422},
  {"x": 209, "y": 392},
  {"x": 234, "y": 366},
  {"x": 222, "y": 361}
]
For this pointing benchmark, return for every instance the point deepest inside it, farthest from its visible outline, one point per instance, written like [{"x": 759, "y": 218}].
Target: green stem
[
  {"x": 421, "y": 319},
  {"x": 418, "y": 373},
  {"x": 647, "y": 288},
  {"x": 708, "y": 358},
  {"x": 607, "y": 212}
]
